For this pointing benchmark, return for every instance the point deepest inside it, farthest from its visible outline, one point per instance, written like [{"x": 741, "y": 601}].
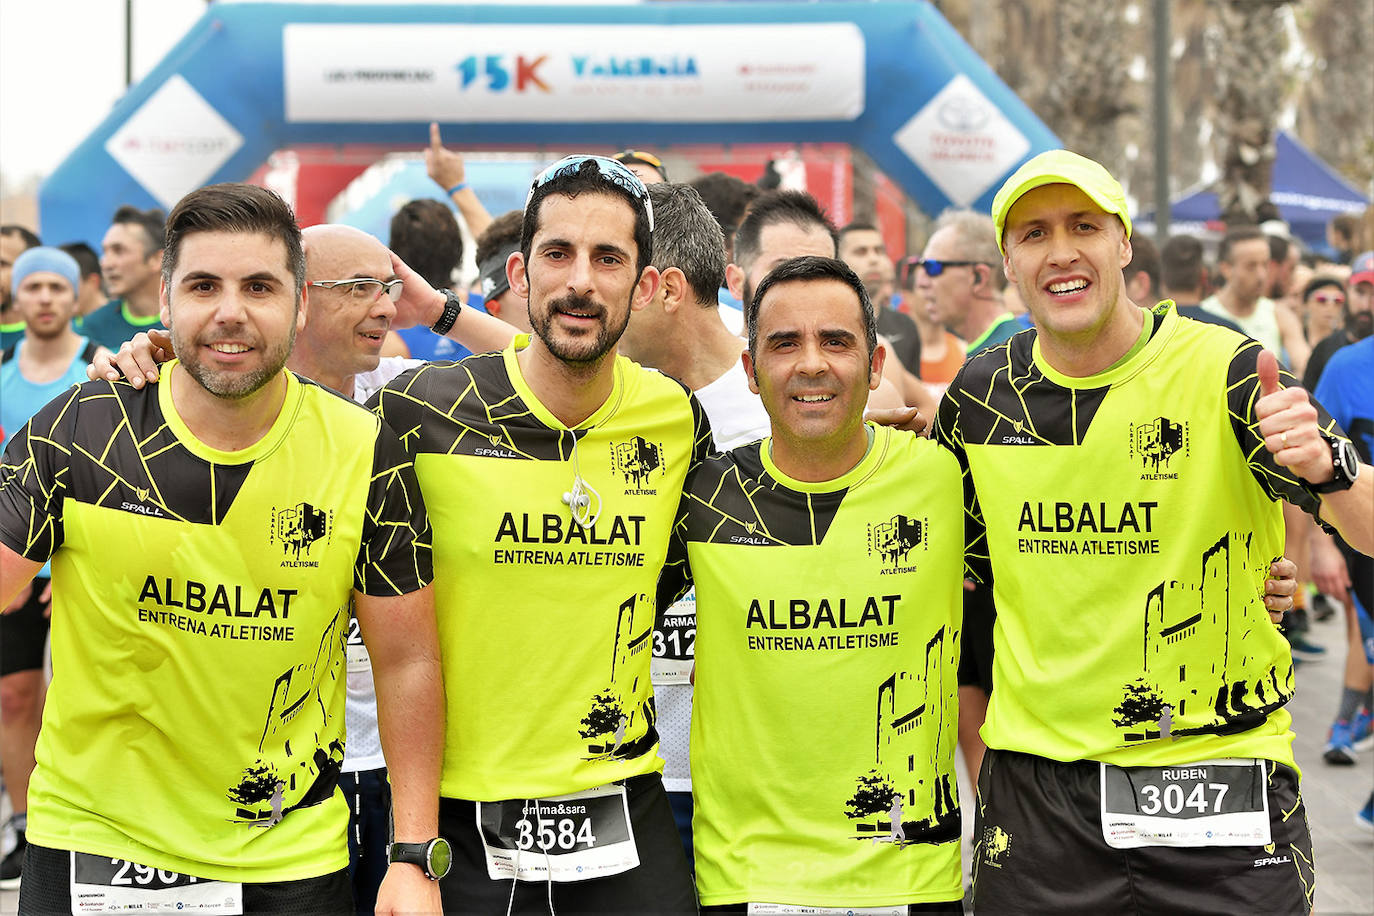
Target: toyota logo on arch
[{"x": 964, "y": 114}]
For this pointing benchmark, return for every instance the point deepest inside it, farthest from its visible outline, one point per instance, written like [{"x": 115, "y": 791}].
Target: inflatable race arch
[{"x": 891, "y": 78}]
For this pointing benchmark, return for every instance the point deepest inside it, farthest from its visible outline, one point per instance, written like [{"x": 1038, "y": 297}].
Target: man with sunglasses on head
[
  {"x": 962, "y": 283},
  {"x": 552, "y": 471}
]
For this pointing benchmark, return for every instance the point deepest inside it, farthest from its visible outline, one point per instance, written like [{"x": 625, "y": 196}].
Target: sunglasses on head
[
  {"x": 638, "y": 155},
  {"x": 608, "y": 169}
]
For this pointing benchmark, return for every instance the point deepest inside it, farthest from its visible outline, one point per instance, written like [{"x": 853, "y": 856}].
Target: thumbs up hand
[{"x": 1288, "y": 423}]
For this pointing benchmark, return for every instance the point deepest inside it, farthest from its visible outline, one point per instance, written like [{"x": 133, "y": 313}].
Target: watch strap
[
  {"x": 412, "y": 854},
  {"x": 1341, "y": 478},
  {"x": 452, "y": 306}
]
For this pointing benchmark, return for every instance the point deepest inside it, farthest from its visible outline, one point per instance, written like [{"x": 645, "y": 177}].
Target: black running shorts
[{"x": 1039, "y": 848}]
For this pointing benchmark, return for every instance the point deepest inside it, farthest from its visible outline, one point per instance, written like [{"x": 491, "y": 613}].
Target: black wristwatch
[
  {"x": 452, "y": 306},
  {"x": 1345, "y": 465},
  {"x": 434, "y": 858}
]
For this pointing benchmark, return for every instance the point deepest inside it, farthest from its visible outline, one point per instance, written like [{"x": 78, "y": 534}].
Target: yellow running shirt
[
  {"x": 545, "y": 626},
  {"x": 1130, "y": 518},
  {"x": 825, "y": 715},
  {"x": 195, "y": 721}
]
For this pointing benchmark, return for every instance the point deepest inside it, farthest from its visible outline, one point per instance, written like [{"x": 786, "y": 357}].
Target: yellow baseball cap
[{"x": 1059, "y": 166}]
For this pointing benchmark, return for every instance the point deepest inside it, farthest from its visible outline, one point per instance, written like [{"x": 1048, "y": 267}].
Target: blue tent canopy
[{"x": 1307, "y": 191}]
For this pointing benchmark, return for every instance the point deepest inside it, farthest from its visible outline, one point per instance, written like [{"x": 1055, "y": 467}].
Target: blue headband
[{"x": 45, "y": 259}]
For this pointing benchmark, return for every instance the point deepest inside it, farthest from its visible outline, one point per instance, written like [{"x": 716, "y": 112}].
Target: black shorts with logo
[
  {"x": 46, "y": 890},
  {"x": 661, "y": 884},
  {"x": 1039, "y": 848}
]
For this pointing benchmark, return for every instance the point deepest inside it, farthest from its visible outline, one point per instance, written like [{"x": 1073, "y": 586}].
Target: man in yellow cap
[{"x": 1135, "y": 459}]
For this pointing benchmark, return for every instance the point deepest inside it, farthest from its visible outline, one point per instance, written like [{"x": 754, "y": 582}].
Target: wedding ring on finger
[{"x": 1283, "y": 438}]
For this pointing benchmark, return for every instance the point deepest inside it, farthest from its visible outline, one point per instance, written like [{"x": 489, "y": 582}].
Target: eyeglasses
[
  {"x": 363, "y": 289},
  {"x": 1324, "y": 300},
  {"x": 610, "y": 170},
  {"x": 934, "y": 268}
]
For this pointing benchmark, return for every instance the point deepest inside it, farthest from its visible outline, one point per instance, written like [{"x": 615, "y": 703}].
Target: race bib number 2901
[
  {"x": 1208, "y": 803},
  {"x": 101, "y": 884},
  {"x": 568, "y": 838}
]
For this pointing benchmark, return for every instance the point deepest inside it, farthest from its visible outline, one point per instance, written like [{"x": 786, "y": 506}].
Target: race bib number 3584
[
  {"x": 101, "y": 884},
  {"x": 1208, "y": 803},
  {"x": 568, "y": 838}
]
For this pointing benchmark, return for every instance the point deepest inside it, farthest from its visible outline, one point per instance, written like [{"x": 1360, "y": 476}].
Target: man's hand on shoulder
[
  {"x": 907, "y": 418},
  {"x": 137, "y": 359}
]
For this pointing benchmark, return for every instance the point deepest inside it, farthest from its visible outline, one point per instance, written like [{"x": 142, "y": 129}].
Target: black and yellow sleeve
[
  {"x": 395, "y": 556},
  {"x": 33, "y": 479}
]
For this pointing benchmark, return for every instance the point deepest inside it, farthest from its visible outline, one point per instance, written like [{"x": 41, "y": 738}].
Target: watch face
[
  {"x": 440, "y": 857},
  {"x": 1347, "y": 459}
]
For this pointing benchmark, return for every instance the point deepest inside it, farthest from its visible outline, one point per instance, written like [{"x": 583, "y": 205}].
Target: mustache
[{"x": 573, "y": 302}]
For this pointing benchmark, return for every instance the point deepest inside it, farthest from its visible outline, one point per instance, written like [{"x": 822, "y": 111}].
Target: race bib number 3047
[
  {"x": 1209, "y": 803},
  {"x": 568, "y": 838},
  {"x": 101, "y": 884}
]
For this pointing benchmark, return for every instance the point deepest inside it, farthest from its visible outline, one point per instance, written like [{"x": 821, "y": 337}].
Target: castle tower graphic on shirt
[
  {"x": 607, "y": 721},
  {"x": 1195, "y": 636},
  {"x": 906, "y": 779}
]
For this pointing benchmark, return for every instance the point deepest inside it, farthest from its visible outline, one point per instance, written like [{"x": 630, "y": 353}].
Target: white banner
[{"x": 573, "y": 73}]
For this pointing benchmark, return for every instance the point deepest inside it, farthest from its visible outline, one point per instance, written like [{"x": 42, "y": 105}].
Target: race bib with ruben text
[{"x": 1209, "y": 803}]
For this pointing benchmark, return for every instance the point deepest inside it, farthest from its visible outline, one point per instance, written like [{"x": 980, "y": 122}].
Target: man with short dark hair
[
  {"x": 861, "y": 246},
  {"x": 131, "y": 261},
  {"x": 1284, "y": 255},
  {"x": 425, "y": 235},
  {"x": 145, "y": 500},
  {"x": 728, "y": 198},
  {"x": 827, "y": 560},
  {"x": 91, "y": 296},
  {"x": 14, "y": 241},
  {"x": 553, "y": 470},
  {"x": 1133, "y": 462},
  {"x": 1183, "y": 275},
  {"x": 1243, "y": 259}
]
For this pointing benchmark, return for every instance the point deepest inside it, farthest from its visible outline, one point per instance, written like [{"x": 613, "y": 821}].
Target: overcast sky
[{"x": 62, "y": 69}]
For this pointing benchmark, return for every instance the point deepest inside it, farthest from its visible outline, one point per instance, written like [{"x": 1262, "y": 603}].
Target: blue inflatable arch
[{"x": 891, "y": 78}]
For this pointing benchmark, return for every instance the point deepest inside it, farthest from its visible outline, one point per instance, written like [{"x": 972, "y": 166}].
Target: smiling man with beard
[
  {"x": 552, "y": 471},
  {"x": 211, "y": 536}
]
